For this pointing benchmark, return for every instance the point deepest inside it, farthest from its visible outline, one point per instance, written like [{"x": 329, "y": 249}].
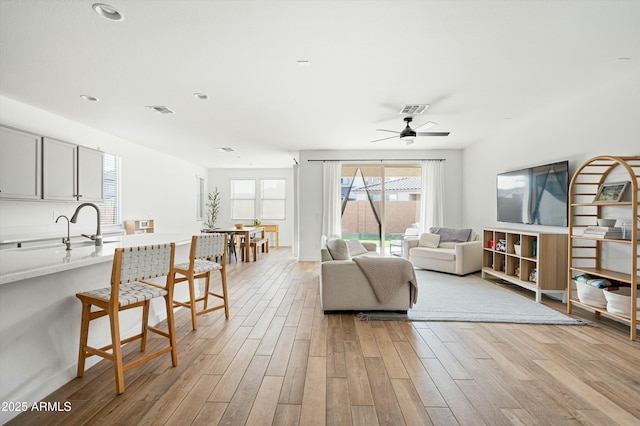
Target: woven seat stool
[
  {"x": 132, "y": 269},
  {"x": 204, "y": 248}
]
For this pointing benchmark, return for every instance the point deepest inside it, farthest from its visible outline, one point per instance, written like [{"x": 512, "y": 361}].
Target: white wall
[
  {"x": 310, "y": 189},
  {"x": 154, "y": 185},
  {"x": 220, "y": 178},
  {"x": 602, "y": 120}
]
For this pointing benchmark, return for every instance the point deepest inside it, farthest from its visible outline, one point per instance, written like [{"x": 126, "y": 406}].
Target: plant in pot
[
  {"x": 256, "y": 222},
  {"x": 213, "y": 208}
]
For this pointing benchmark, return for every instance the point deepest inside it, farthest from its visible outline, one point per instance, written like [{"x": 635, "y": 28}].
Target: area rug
[{"x": 443, "y": 297}]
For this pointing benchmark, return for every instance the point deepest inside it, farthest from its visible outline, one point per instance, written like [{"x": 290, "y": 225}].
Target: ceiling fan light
[{"x": 407, "y": 133}]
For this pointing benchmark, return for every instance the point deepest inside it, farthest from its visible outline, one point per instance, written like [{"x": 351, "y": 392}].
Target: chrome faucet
[
  {"x": 98, "y": 236},
  {"x": 67, "y": 240}
]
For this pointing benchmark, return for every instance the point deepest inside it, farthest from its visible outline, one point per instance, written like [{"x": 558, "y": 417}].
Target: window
[
  {"x": 200, "y": 203},
  {"x": 243, "y": 198},
  {"x": 273, "y": 197},
  {"x": 110, "y": 208}
]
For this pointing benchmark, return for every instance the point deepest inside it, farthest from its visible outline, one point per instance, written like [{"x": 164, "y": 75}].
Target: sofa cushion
[
  {"x": 452, "y": 234},
  {"x": 338, "y": 249},
  {"x": 429, "y": 240},
  {"x": 433, "y": 253},
  {"x": 356, "y": 248},
  {"x": 447, "y": 245}
]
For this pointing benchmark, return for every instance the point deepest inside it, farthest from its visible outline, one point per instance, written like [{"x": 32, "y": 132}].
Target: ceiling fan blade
[
  {"x": 385, "y": 130},
  {"x": 429, "y": 125},
  {"x": 384, "y": 139},
  {"x": 433, "y": 133}
]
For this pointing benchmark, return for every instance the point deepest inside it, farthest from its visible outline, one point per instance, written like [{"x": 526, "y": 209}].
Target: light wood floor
[{"x": 278, "y": 360}]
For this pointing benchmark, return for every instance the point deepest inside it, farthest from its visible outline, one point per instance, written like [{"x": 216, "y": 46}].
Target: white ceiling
[{"x": 482, "y": 66}]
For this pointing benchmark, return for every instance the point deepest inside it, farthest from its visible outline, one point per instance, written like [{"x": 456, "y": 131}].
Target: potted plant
[
  {"x": 213, "y": 208},
  {"x": 256, "y": 222}
]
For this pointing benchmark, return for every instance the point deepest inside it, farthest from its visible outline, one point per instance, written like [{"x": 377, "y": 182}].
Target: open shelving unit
[
  {"x": 540, "y": 252},
  {"x": 612, "y": 259},
  {"x": 143, "y": 226}
]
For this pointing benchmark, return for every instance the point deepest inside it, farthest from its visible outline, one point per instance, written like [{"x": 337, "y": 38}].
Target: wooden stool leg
[
  {"x": 223, "y": 276},
  {"x": 145, "y": 323},
  {"x": 117, "y": 351},
  {"x": 84, "y": 336},
  {"x": 192, "y": 302},
  {"x": 255, "y": 252},
  {"x": 171, "y": 326},
  {"x": 206, "y": 290}
]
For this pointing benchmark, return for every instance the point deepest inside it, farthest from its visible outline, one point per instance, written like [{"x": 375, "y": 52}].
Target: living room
[{"x": 595, "y": 113}]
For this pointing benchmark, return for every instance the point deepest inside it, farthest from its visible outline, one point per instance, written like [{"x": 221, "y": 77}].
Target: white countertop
[{"x": 29, "y": 262}]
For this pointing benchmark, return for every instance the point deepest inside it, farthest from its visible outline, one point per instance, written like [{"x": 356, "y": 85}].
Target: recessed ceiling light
[
  {"x": 624, "y": 59},
  {"x": 303, "y": 63},
  {"x": 225, "y": 149},
  {"x": 201, "y": 96},
  {"x": 107, "y": 12},
  {"x": 89, "y": 98}
]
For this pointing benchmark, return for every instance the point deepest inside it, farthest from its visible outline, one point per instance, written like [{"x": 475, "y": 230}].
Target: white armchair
[{"x": 458, "y": 258}]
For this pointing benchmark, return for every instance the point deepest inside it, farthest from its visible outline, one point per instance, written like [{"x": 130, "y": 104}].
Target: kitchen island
[{"x": 40, "y": 315}]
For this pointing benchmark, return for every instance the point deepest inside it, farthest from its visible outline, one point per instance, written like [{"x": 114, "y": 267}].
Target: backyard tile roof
[{"x": 400, "y": 184}]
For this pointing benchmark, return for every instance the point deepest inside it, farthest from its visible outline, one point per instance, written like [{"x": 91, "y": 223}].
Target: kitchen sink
[{"x": 60, "y": 247}]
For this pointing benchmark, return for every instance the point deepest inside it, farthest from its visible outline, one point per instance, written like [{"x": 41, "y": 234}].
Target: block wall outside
[{"x": 358, "y": 217}]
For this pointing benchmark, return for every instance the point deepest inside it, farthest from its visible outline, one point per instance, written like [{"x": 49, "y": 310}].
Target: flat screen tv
[{"x": 535, "y": 195}]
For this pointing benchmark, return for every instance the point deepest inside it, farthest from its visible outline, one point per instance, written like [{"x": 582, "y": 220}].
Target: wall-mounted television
[{"x": 535, "y": 195}]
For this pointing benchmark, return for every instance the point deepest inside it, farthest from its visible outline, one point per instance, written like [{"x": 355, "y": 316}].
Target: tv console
[{"x": 539, "y": 264}]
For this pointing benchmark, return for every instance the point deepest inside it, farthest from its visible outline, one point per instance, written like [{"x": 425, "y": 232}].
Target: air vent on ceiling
[
  {"x": 225, "y": 149},
  {"x": 160, "y": 108},
  {"x": 413, "y": 109}
]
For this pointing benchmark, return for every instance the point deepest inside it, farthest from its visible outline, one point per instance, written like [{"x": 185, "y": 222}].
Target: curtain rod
[{"x": 381, "y": 160}]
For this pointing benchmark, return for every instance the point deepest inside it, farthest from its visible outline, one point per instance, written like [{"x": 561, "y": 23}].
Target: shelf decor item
[
  {"x": 611, "y": 192},
  {"x": 517, "y": 248}
]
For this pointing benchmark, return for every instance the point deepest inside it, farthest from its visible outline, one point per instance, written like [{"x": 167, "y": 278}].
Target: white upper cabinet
[
  {"x": 71, "y": 172},
  {"x": 59, "y": 169},
  {"x": 90, "y": 174},
  {"x": 20, "y": 157}
]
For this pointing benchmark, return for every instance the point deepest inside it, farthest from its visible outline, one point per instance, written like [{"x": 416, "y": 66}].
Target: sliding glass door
[{"x": 379, "y": 202}]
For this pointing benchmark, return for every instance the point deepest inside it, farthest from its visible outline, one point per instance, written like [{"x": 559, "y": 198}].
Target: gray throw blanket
[
  {"x": 387, "y": 275},
  {"x": 450, "y": 234}
]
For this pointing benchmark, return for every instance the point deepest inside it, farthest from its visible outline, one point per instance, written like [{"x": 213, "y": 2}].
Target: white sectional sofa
[
  {"x": 442, "y": 250},
  {"x": 344, "y": 287}
]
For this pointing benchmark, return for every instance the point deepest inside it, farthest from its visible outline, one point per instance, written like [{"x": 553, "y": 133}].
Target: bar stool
[
  {"x": 130, "y": 288},
  {"x": 204, "y": 247}
]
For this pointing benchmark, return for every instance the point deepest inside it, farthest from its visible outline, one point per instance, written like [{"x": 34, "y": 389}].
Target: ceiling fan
[{"x": 408, "y": 134}]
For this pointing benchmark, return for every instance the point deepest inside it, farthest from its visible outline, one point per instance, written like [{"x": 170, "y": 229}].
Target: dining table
[{"x": 246, "y": 232}]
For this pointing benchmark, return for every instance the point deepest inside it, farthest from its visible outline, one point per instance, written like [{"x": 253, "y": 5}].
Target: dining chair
[
  {"x": 132, "y": 270},
  {"x": 205, "y": 250}
]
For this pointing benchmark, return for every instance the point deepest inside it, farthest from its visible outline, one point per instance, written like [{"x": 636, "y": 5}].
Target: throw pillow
[
  {"x": 429, "y": 240},
  {"x": 356, "y": 247},
  {"x": 338, "y": 249}
]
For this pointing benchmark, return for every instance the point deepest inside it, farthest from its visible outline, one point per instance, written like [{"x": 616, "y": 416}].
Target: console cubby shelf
[
  {"x": 596, "y": 256},
  {"x": 542, "y": 253}
]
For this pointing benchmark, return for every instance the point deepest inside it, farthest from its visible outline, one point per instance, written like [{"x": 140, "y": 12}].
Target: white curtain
[
  {"x": 331, "y": 198},
  {"x": 432, "y": 195}
]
